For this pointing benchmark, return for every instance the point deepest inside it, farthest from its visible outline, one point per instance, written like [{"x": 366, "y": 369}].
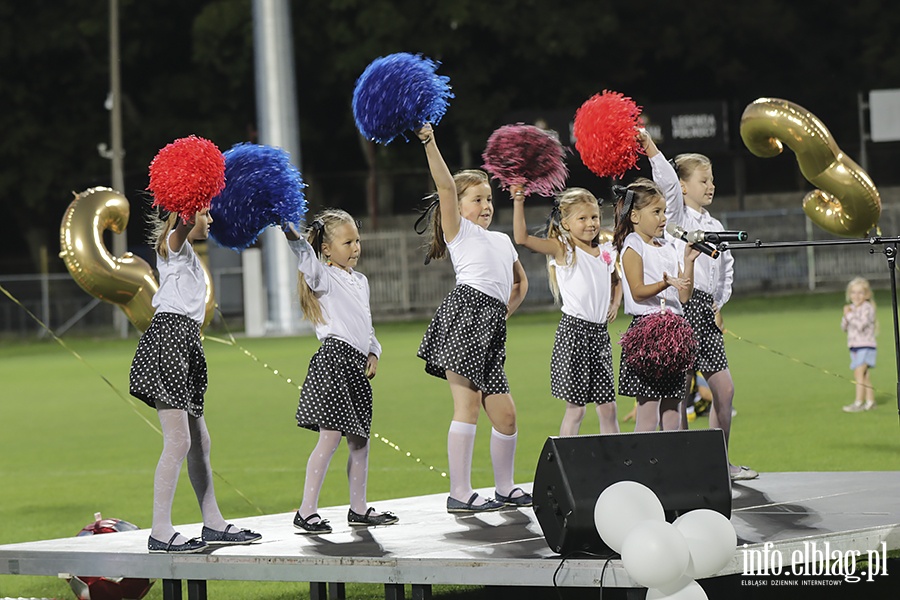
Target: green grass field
[{"x": 74, "y": 443}]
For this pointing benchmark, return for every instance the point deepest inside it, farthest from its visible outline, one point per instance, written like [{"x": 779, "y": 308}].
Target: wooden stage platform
[{"x": 778, "y": 513}]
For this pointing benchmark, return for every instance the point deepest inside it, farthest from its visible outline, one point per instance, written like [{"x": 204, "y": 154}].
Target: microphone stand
[{"x": 889, "y": 249}]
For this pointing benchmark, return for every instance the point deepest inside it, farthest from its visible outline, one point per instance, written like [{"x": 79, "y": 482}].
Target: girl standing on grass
[
  {"x": 689, "y": 189},
  {"x": 336, "y": 398},
  {"x": 582, "y": 272},
  {"x": 169, "y": 373},
  {"x": 466, "y": 340},
  {"x": 654, "y": 269},
  {"x": 861, "y": 326}
]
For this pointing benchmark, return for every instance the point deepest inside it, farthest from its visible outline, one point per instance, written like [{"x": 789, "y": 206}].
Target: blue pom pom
[
  {"x": 397, "y": 93},
  {"x": 262, "y": 188}
]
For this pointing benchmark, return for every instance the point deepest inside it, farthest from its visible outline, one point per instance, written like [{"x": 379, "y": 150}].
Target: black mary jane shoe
[
  {"x": 189, "y": 547},
  {"x": 304, "y": 525},
  {"x": 231, "y": 535},
  {"x": 370, "y": 520}
]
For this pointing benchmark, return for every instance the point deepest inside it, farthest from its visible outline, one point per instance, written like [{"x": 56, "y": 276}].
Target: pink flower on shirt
[{"x": 606, "y": 257}]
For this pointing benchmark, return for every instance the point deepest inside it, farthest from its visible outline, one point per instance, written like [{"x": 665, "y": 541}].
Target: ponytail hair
[
  {"x": 563, "y": 206},
  {"x": 320, "y": 231},
  {"x": 634, "y": 196},
  {"x": 436, "y": 248},
  {"x": 160, "y": 227}
]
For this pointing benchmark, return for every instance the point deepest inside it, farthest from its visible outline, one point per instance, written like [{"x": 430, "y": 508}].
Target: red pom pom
[
  {"x": 660, "y": 344},
  {"x": 186, "y": 175},
  {"x": 528, "y": 156},
  {"x": 605, "y": 133}
]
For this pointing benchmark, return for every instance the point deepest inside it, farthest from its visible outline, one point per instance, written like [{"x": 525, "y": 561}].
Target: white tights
[
  {"x": 317, "y": 467},
  {"x": 184, "y": 436}
]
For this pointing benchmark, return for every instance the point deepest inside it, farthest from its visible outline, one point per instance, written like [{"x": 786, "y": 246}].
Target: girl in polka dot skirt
[
  {"x": 687, "y": 183},
  {"x": 466, "y": 340},
  {"x": 582, "y": 272},
  {"x": 654, "y": 269},
  {"x": 336, "y": 398},
  {"x": 169, "y": 373}
]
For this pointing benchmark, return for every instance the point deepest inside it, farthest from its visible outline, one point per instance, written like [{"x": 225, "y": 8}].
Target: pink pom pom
[
  {"x": 660, "y": 344},
  {"x": 528, "y": 156},
  {"x": 605, "y": 133},
  {"x": 186, "y": 175}
]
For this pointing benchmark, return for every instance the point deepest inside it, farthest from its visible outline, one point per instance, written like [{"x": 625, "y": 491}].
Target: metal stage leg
[
  {"x": 337, "y": 591},
  {"x": 421, "y": 591},
  {"x": 196, "y": 589},
  {"x": 318, "y": 590},
  {"x": 394, "y": 591},
  {"x": 171, "y": 589}
]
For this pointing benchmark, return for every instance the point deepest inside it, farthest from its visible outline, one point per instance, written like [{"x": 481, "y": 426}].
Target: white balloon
[
  {"x": 685, "y": 589},
  {"x": 620, "y": 507},
  {"x": 711, "y": 539},
  {"x": 655, "y": 554}
]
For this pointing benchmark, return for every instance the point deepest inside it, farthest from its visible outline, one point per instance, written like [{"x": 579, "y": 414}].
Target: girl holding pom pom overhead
[
  {"x": 168, "y": 371},
  {"x": 656, "y": 274},
  {"x": 336, "y": 398},
  {"x": 466, "y": 340},
  {"x": 582, "y": 271}
]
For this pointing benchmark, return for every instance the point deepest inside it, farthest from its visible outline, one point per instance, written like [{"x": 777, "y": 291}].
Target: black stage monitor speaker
[{"x": 686, "y": 470}]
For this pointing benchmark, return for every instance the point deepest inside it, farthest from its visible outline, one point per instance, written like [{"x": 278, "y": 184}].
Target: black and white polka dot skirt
[
  {"x": 467, "y": 336},
  {"x": 581, "y": 368},
  {"x": 633, "y": 384},
  {"x": 169, "y": 365},
  {"x": 710, "y": 345},
  {"x": 336, "y": 393}
]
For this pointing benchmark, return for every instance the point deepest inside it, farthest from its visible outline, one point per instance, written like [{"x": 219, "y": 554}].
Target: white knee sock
[
  {"x": 503, "y": 458},
  {"x": 460, "y": 447}
]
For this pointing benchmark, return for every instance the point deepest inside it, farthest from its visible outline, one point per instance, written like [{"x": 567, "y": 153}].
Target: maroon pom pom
[
  {"x": 660, "y": 344},
  {"x": 528, "y": 156},
  {"x": 605, "y": 133},
  {"x": 186, "y": 175}
]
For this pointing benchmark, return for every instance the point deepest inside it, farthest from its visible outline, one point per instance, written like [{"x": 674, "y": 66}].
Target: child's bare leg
[
  {"x": 669, "y": 415},
  {"x": 647, "y": 415},
  {"x": 606, "y": 412},
  {"x": 861, "y": 373},
  {"x": 572, "y": 419},
  {"x": 722, "y": 387}
]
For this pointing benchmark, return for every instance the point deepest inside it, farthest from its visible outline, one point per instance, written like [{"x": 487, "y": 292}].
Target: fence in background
[{"x": 402, "y": 286}]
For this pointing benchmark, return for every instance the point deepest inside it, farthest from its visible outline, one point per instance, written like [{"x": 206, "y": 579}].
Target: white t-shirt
[
  {"x": 344, "y": 298},
  {"x": 666, "y": 258},
  {"x": 182, "y": 284},
  {"x": 585, "y": 286},
  {"x": 483, "y": 260},
  {"x": 711, "y": 275}
]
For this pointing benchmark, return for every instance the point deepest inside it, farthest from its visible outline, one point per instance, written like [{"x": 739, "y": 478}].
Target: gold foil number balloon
[
  {"x": 847, "y": 202},
  {"x": 126, "y": 281}
]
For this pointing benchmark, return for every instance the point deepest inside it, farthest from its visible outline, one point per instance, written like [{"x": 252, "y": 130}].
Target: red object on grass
[
  {"x": 605, "y": 132},
  {"x": 186, "y": 175}
]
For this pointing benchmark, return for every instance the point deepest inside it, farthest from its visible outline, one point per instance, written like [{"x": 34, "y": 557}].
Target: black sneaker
[
  {"x": 320, "y": 526},
  {"x": 368, "y": 519}
]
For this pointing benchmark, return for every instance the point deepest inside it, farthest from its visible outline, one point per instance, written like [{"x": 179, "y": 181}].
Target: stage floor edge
[{"x": 784, "y": 513}]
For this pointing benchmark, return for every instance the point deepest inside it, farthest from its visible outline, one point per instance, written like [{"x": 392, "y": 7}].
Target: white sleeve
[
  {"x": 667, "y": 179},
  {"x": 310, "y": 265},
  {"x": 723, "y": 286},
  {"x": 374, "y": 345}
]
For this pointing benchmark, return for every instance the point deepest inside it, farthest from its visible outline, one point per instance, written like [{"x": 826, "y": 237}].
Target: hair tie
[
  {"x": 425, "y": 217},
  {"x": 318, "y": 227},
  {"x": 674, "y": 165},
  {"x": 554, "y": 216},
  {"x": 627, "y": 196}
]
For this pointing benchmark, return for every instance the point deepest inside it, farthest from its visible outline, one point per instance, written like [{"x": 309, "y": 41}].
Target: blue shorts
[{"x": 862, "y": 356}]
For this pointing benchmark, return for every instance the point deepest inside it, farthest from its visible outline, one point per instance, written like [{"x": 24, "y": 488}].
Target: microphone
[
  {"x": 717, "y": 237},
  {"x": 682, "y": 234}
]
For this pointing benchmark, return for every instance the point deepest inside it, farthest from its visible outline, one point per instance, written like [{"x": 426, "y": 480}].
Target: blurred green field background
[{"x": 74, "y": 443}]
